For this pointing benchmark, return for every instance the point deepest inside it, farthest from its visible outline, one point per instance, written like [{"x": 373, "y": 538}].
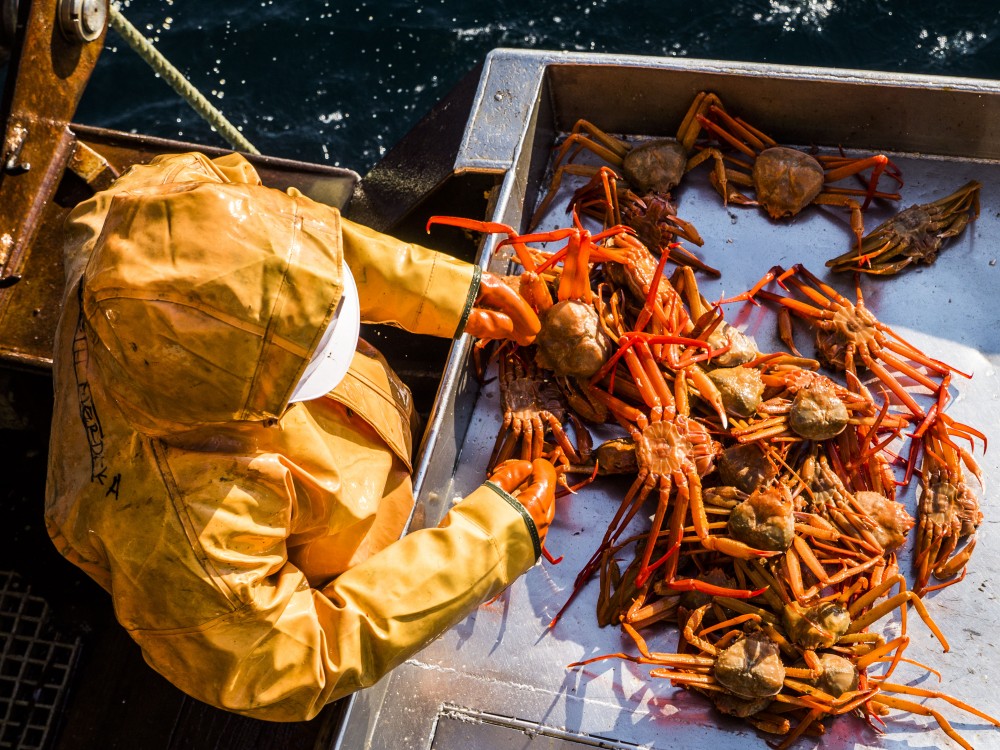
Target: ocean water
[{"x": 340, "y": 81}]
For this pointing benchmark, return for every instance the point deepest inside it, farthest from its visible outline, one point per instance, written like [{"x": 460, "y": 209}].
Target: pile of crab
[{"x": 768, "y": 487}]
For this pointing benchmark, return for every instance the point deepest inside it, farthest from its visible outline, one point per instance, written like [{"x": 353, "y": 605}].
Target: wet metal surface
[{"x": 503, "y": 660}]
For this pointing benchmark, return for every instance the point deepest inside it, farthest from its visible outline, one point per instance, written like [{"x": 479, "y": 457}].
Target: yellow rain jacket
[{"x": 250, "y": 547}]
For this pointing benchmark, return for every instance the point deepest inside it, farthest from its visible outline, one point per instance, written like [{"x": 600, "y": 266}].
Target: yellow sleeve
[
  {"x": 289, "y": 649},
  {"x": 408, "y": 285}
]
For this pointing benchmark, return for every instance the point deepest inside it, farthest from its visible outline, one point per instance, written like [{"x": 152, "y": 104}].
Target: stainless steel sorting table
[{"x": 498, "y": 679}]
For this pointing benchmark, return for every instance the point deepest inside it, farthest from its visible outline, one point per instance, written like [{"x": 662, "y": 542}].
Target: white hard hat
[{"x": 332, "y": 357}]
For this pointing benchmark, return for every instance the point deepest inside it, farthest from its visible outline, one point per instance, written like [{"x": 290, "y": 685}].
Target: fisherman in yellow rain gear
[{"x": 232, "y": 464}]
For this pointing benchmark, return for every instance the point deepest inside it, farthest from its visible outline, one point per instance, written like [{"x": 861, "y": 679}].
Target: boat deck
[{"x": 70, "y": 677}]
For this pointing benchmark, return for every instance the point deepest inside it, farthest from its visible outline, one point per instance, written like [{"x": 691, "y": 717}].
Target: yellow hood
[{"x": 203, "y": 301}]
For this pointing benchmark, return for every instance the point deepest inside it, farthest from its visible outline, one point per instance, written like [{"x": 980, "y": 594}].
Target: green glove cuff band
[
  {"x": 528, "y": 520},
  {"x": 477, "y": 275}
]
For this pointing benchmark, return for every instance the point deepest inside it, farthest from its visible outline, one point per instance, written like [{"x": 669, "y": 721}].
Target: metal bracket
[
  {"x": 17, "y": 134},
  {"x": 82, "y": 20},
  {"x": 46, "y": 79},
  {"x": 91, "y": 167}
]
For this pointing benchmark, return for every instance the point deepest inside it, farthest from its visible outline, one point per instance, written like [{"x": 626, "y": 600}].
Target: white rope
[{"x": 145, "y": 49}]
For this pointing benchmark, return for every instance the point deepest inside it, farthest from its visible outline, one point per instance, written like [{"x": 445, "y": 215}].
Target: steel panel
[{"x": 503, "y": 660}]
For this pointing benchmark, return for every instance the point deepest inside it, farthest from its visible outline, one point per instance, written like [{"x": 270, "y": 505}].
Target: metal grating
[{"x": 35, "y": 667}]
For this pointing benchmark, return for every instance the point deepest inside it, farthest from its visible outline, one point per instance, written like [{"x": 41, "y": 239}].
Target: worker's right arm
[{"x": 288, "y": 649}]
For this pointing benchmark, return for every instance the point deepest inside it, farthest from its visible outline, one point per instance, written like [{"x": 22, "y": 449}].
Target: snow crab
[
  {"x": 947, "y": 507},
  {"x": 672, "y": 451},
  {"x": 745, "y": 665},
  {"x": 655, "y": 166},
  {"x": 846, "y": 331},
  {"x": 914, "y": 235},
  {"x": 532, "y": 405},
  {"x": 827, "y": 495},
  {"x": 570, "y": 342},
  {"x": 770, "y": 521},
  {"x": 752, "y": 667},
  {"x": 765, "y": 519},
  {"x": 786, "y": 180},
  {"x": 653, "y": 216},
  {"x": 810, "y": 406}
]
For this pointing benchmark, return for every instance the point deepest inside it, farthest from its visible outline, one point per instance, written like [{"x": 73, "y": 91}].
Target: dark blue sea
[{"x": 341, "y": 81}]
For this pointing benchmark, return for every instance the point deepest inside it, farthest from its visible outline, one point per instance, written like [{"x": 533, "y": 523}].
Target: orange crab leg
[
  {"x": 918, "y": 356},
  {"x": 709, "y": 391},
  {"x": 963, "y": 430},
  {"x": 738, "y": 605},
  {"x": 817, "y": 569},
  {"x": 749, "y": 295},
  {"x": 868, "y": 447},
  {"x": 879, "y": 611},
  {"x": 648, "y": 390},
  {"x": 703, "y": 681},
  {"x": 574, "y": 283},
  {"x": 652, "y": 296},
  {"x": 812, "y": 716},
  {"x": 489, "y": 227},
  {"x": 553, "y": 236},
  {"x": 825, "y": 288},
  {"x": 916, "y": 708},
  {"x": 645, "y": 568},
  {"x": 648, "y": 362},
  {"x": 798, "y": 307},
  {"x": 896, "y": 647},
  {"x": 610, "y": 148},
  {"x": 693, "y": 584},
  {"x": 632, "y": 501},
  {"x": 958, "y": 562},
  {"x": 924, "y": 693},
  {"x": 608, "y": 179},
  {"x": 765, "y": 139},
  {"x": 687, "y": 133},
  {"x": 728, "y": 137},
  {"x": 626, "y": 343},
  {"x": 568, "y": 232},
  {"x": 838, "y": 191},
  {"x": 656, "y": 338},
  {"x": 793, "y": 572},
  {"x": 910, "y": 351},
  {"x": 893, "y": 385},
  {"x": 762, "y": 430},
  {"x": 855, "y": 166},
  {"x": 622, "y": 411},
  {"x": 823, "y": 294},
  {"x": 726, "y": 545}
]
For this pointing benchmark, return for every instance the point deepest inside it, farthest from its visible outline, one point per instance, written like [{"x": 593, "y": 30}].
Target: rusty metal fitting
[{"x": 82, "y": 20}]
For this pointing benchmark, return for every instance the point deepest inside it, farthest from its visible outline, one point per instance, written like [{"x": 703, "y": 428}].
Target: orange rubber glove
[
  {"x": 533, "y": 485},
  {"x": 501, "y": 313}
]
